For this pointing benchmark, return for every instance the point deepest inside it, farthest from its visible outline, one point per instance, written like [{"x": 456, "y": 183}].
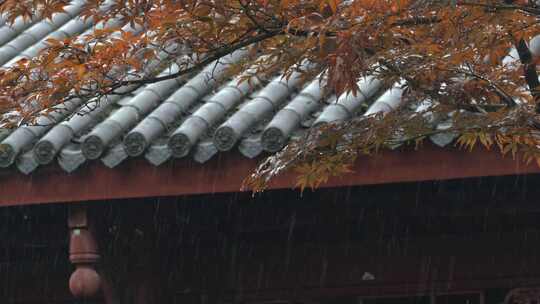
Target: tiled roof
[{"x": 179, "y": 118}]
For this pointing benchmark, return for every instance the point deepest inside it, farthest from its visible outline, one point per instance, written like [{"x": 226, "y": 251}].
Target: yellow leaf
[
  {"x": 485, "y": 139},
  {"x": 80, "y": 70}
]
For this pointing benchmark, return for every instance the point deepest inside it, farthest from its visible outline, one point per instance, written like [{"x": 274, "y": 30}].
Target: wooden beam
[{"x": 225, "y": 173}]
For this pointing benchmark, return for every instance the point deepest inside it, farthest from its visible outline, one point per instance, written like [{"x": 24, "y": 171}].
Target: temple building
[{"x": 138, "y": 200}]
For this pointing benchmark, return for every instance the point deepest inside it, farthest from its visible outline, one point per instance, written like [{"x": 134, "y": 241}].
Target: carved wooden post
[{"x": 84, "y": 282}]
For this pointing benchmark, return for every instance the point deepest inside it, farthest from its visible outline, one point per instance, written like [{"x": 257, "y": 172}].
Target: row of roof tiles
[{"x": 177, "y": 118}]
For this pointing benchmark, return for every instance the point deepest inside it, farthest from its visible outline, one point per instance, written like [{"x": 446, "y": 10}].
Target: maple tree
[{"x": 469, "y": 63}]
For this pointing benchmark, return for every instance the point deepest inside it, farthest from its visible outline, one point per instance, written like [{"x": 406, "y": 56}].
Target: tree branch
[
  {"x": 529, "y": 71},
  {"x": 217, "y": 54}
]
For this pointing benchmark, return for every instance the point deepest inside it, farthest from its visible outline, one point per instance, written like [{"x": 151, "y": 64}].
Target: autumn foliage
[{"x": 470, "y": 64}]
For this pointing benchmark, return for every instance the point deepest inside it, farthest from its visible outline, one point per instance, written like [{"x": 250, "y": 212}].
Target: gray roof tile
[
  {"x": 166, "y": 113},
  {"x": 8, "y": 32},
  {"x": 277, "y": 132},
  {"x": 348, "y": 103},
  {"x": 158, "y": 153},
  {"x": 70, "y": 158},
  {"x": 210, "y": 113},
  {"x": 38, "y": 31},
  {"x": 267, "y": 100},
  {"x": 207, "y": 114}
]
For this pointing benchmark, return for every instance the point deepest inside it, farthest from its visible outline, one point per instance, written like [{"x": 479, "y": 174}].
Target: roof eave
[{"x": 225, "y": 173}]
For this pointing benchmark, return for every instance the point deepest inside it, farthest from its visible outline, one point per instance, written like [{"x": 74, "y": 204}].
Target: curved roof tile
[{"x": 206, "y": 114}]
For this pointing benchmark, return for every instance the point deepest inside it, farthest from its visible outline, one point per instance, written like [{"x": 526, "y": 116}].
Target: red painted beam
[{"x": 137, "y": 178}]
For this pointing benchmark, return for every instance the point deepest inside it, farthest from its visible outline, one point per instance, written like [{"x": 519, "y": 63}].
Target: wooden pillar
[{"x": 84, "y": 282}]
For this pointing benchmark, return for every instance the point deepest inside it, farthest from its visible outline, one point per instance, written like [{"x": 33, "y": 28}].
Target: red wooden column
[{"x": 85, "y": 282}]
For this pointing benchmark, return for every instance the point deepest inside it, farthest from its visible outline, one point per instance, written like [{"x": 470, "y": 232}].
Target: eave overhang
[{"x": 224, "y": 174}]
